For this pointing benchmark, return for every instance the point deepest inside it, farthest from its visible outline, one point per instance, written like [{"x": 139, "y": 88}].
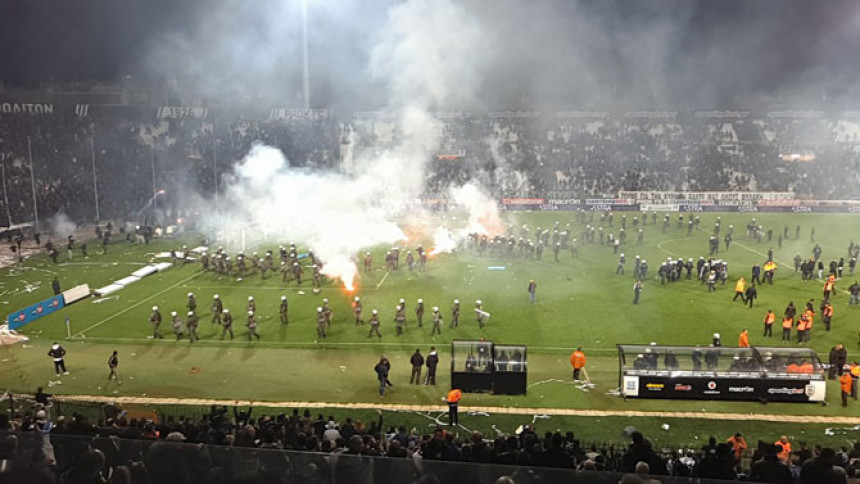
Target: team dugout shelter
[
  {"x": 758, "y": 373},
  {"x": 480, "y": 366}
]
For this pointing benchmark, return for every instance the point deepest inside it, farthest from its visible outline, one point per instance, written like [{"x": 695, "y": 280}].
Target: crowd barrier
[{"x": 176, "y": 461}]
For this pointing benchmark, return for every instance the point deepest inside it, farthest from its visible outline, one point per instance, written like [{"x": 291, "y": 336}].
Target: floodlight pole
[
  {"x": 95, "y": 176},
  {"x": 215, "y": 168},
  {"x": 152, "y": 166},
  {"x": 306, "y": 93},
  {"x": 5, "y": 193},
  {"x": 33, "y": 183}
]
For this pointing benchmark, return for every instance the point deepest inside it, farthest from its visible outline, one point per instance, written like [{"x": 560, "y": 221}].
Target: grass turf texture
[{"x": 581, "y": 302}]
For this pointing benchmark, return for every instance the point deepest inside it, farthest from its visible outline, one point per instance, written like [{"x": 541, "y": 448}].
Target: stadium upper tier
[{"x": 133, "y": 153}]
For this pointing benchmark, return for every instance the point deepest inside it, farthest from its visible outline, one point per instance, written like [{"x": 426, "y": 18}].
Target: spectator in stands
[
  {"x": 769, "y": 468},
  {"x": 640, "y": 451}
]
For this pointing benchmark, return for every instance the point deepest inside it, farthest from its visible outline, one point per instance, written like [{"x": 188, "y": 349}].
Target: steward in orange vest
[
  {"x": 787, "y": 323},
  {"x": 744, "y": 340},
  {"x": 577, "y": 361},
  {"x": 846, "y": 383},
  {"x": 826, "y": 315},
  {"x": 453, "y": 399},
  {"x": 769, "y": 319}
]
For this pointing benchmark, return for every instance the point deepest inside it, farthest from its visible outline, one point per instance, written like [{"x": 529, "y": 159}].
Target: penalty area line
[{"x": 103, "y": 321}]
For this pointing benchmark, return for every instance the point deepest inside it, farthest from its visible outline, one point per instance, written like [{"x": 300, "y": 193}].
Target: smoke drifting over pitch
[{"x": 338, "y": 215}]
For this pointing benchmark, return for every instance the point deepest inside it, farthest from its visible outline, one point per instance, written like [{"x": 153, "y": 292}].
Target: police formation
[{"x": 292, "y": 266}]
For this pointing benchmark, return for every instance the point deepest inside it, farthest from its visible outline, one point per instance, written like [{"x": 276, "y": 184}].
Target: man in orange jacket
[
  {"x": 785, "y": 446},
  {"x": 855, "y": 376},
  {"x": 769, "y": 319},
  {"x": 739, "y": 444},
  {"x": 744, "y": 340},
  {"x": 577, "y": 361},
  {"x": 452, "y": 400},
  {"x": 845, "y": 384}
]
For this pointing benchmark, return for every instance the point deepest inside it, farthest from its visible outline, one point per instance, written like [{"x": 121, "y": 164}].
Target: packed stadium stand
[
  {"x": 241, "y": 445},
  {"x": 133, "y": 154}
]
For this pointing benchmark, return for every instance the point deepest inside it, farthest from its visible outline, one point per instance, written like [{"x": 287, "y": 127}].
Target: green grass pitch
[{"x": 581, "y": 302}]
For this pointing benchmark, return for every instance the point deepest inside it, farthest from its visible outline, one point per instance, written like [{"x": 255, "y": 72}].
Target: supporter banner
[
  {"x": 723, "y": 388},
  {"x": 792, "y": 114},
  {"x": 677, "y": 197},
  {"x": 651, "y": 114},
  {"x": 291, "y": 114},
  {"x": 582, "y": 114},
  {"x": 514, "y": 114},
  {"x": 181, "y": 112},
  {"x": 31, "y": 313},
  {"x": 26, "y": 108},
  {"x": 722, "y": 114}
]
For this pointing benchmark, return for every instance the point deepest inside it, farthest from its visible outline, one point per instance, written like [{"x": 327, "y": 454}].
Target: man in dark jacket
[
  {"x": 751, "y": 294},
  {"x": 838, "y": 358},
  {"x": 417, "y": 361},
  {"x": 822, "y": 469},
  {"x": 640, "y": 450},
  {"x": 770, "y": 469},
  {"x": 381, "y": 370}
]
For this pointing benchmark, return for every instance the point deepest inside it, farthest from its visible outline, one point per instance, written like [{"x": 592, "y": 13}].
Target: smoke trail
[{"x": 60, "y": 225}]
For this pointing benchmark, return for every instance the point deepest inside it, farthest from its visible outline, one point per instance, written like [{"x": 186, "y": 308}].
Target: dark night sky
[{"x": 730, "y": 45}]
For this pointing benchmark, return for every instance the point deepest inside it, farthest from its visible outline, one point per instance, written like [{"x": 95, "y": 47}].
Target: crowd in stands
[
  {"x": 244, "y": 447},
  {"x": 129, "y": 155}
]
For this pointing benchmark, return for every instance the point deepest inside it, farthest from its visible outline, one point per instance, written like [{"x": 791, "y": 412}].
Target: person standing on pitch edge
[
  {"x": 381, "y": 370},
  {"x": 417, "y": 361},
  {"x": 532, "y": 291},
  {"x": 58, "y": 353},
  {"x": 453, "y": 399},
  {"x": 577, "y": 361},
  {"x": 113, "y": 363}
]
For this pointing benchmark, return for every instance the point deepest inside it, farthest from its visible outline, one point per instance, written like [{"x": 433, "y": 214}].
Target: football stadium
[{"x": 430, "y": 241}]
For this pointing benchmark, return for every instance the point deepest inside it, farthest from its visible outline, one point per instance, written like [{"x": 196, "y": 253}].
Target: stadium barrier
[{"x": 170, "y": 459}]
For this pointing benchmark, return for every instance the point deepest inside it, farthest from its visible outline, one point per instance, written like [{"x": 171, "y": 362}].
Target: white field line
[
  {"x": 103, "y": 321},
  {"x": 491, "y": 410},
  {"x": 383, "y": 279}
]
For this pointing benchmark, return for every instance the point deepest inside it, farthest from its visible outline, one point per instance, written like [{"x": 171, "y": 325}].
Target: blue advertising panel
[{"x": 31, "y": 313}]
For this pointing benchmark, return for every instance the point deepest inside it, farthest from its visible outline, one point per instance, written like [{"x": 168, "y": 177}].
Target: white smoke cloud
[
  {"x": 333, "y": 214},
  {"x": 60, "y": 225},
  {"x": 426, "y": 56}
]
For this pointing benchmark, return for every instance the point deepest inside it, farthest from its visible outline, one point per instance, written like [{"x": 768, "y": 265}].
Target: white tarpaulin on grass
[
  {"x": 127, "y": 280},
  {"x": 109, "y": 289},
  {"x": 144, "y": 271}
]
